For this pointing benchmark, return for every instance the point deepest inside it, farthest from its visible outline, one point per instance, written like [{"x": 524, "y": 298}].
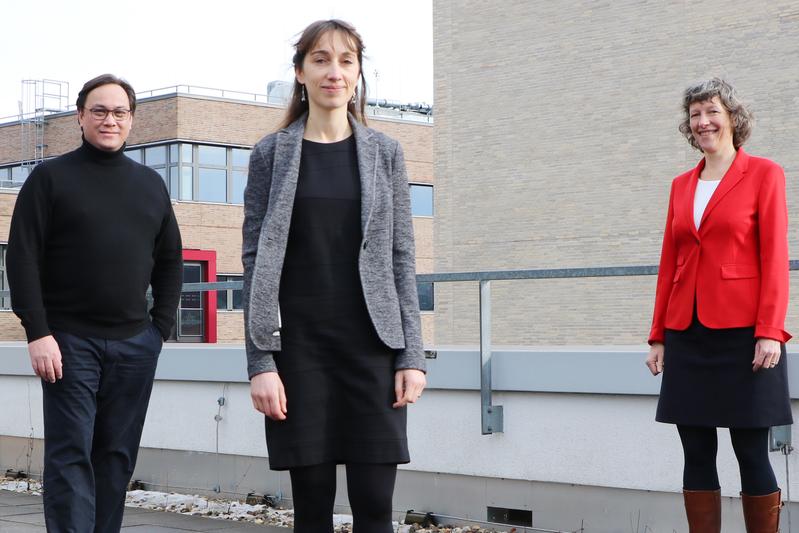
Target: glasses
[{"x": 100, "y": 113}]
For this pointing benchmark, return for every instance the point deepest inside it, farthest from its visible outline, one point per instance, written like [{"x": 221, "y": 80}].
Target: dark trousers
[{"x": 93, "y": 419}]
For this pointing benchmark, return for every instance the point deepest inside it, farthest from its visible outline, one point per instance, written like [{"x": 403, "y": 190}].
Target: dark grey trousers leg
[
  {"x": 93, "y": 424},
  {"x": 122, "y": 400},
  {"x": 69, "y": 412}
]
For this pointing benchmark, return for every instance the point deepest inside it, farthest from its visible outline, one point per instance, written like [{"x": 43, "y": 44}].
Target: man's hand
[
  {"x": 408, "y": 386},
  {"x": 268, "y": 395},
  {"x": 46, "y": 358}
]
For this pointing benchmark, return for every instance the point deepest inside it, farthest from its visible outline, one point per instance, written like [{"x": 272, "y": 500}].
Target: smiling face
[
  {"x": 108, "y": 134},
  {"x": 711, "y": 125},
  {"x": 330, "y": 72}
]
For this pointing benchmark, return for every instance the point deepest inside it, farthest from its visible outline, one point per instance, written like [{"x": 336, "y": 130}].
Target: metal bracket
[
  {"x": 491, "y": 418},
  {"x": 779, "y": 437}
]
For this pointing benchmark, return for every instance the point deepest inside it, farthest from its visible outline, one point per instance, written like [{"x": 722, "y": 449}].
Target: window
[
  {"x": 200, "y": 172},
  {"x": 212, "y": 155},
  {"x": 426, "y": 295},
  {"x": 239, "y": 182},
  {"x": 421, "y": 200},
  {"x": 12, "y": 177},
  {"x": 5, "y": 177},
  {"x": 229, "y": 299},
  {"x": 5, "y": 301},
  {"x": 211, "y": 185},
  {"x": 134, "y": 154}
]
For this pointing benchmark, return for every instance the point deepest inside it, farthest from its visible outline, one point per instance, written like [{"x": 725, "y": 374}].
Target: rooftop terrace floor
[{"x": 22, "y": 513}]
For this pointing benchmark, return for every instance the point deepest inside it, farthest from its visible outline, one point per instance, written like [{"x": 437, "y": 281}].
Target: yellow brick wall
[{"x": 207, "y": 226}]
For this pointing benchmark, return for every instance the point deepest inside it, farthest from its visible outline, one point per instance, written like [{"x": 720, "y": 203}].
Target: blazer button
[
  {"x": 276, "y": 333},
  {"x": 364, "y": 244}
]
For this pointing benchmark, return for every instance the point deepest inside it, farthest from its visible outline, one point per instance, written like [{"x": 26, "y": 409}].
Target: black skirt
[{"x": 708, "y": 381}]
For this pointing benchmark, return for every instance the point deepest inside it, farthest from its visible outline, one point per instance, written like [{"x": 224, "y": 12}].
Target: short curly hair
[{"x": 741, "y": 117}]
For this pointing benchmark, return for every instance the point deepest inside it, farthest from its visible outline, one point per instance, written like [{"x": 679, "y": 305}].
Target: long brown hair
[{"x": 308, "y": 39}]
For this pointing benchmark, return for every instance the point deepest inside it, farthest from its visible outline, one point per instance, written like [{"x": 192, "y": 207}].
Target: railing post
[{"x": 491, "y": 415}]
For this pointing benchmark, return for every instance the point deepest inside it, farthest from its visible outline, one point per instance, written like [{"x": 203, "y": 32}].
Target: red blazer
[{"x": 736, "y": 266}]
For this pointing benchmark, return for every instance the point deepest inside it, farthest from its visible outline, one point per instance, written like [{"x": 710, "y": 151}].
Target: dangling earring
[
  {"x": 302, "y": 93},
  {"x": 354, "y": 96}
]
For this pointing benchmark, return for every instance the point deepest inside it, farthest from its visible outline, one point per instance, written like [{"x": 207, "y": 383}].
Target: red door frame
[{"x": 208, "y": 260}]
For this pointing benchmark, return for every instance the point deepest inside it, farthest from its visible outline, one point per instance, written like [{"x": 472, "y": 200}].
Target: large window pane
[
  {"x": 186, "y": 153},
  {"x": 212, "y": 185},
  {"x": 174, "y": 181},
  {"x": 5, "y": 177},
  {"x": 19, "y": 173},
  {"x": 241, "y": 157},
  {"x": 5, "y": 302},
  {"x": 186, "y": 182},
  {"x": 229, "y": 299},
  {"x": 239, "y": 182},
  {"x": 422, "y": 200},
  {"x": 191, "y": 323},
  {"x": 173, "y": 154},
  {"x": 221, "y": 296},
  {"x": 134, "y": 154},
  {"x": 155, "y": 156},
  {"x": 162, "y": 172},
  {"x": 213, "y": 155},
  {"x": 426, "y": 295},
  {"x": 237, "y": 298}
]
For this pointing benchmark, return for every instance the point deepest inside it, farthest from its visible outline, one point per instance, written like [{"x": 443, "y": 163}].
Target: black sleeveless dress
[{"x": 338, "y": 374}]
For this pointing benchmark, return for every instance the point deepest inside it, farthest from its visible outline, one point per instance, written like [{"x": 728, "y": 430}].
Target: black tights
[
  {"x": 370, "y": 488},
  {"x": 700, "y": 445}
]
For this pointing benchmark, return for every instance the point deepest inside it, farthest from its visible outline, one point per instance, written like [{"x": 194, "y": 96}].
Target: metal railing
[{"x": 492, "y": 419}]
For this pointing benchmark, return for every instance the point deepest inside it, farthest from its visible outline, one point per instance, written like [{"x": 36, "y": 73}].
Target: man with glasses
[{"x": 91, "y": 230}]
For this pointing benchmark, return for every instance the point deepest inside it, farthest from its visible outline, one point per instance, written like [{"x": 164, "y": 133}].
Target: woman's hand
[
  {"x": 767, "y": 354},
  {"x": 654, "y": 361},
  {"x": 408, "y": 386},
  {"x": 268, "y": 395}
]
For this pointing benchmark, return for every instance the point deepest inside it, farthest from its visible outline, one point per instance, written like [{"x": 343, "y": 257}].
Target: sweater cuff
[{"x": 36, "y": 326}]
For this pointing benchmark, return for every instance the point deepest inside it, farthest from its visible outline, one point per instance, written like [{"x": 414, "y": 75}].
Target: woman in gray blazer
[{"x": 333, "y": 334}]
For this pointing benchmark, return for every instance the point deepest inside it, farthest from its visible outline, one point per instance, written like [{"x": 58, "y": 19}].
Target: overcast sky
[{"x": 230, "y": 44}]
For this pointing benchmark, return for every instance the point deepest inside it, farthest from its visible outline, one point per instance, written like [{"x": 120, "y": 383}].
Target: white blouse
[{"x": 704, "y": 190}]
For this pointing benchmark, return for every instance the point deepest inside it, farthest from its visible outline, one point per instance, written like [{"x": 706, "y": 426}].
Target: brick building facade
[
  {"x": 173, "y": 133},
  {"x": 556, "y": 142}
]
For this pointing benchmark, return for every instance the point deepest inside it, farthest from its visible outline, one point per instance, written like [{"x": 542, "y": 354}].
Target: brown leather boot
[
  {"x": 703, "y": 508},
  {"x": 762, "y": 513}
]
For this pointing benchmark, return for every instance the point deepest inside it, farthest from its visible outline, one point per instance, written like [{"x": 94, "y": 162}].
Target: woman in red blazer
[{"x": 720, "y": 304}]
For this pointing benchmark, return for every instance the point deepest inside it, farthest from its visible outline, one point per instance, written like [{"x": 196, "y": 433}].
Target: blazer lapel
[
  {"x": 688, "y": 204},
  {"x": 286, "y": 171},
  {"x": 367, "y": 149},
  {"x": 733, "y": 176}
]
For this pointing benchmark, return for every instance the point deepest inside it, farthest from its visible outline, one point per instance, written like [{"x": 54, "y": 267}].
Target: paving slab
[
  {"x": 20, "y": 510},
  {"x": 17, "y": 498},
  {"x": 26, "y": 515},
  {"x": 10, "y": 527},
  {"x": 23, "y": 513}
]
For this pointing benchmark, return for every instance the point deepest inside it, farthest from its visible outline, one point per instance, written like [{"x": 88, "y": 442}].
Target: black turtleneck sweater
[{"x": 91, "y": 230}]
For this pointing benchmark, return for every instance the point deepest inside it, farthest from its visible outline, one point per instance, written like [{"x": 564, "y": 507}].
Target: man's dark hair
[{"x": 106, "y": 79}]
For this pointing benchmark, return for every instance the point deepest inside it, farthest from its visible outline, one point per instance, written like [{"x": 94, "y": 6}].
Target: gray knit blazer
[{"x": 386, "y": 261}]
